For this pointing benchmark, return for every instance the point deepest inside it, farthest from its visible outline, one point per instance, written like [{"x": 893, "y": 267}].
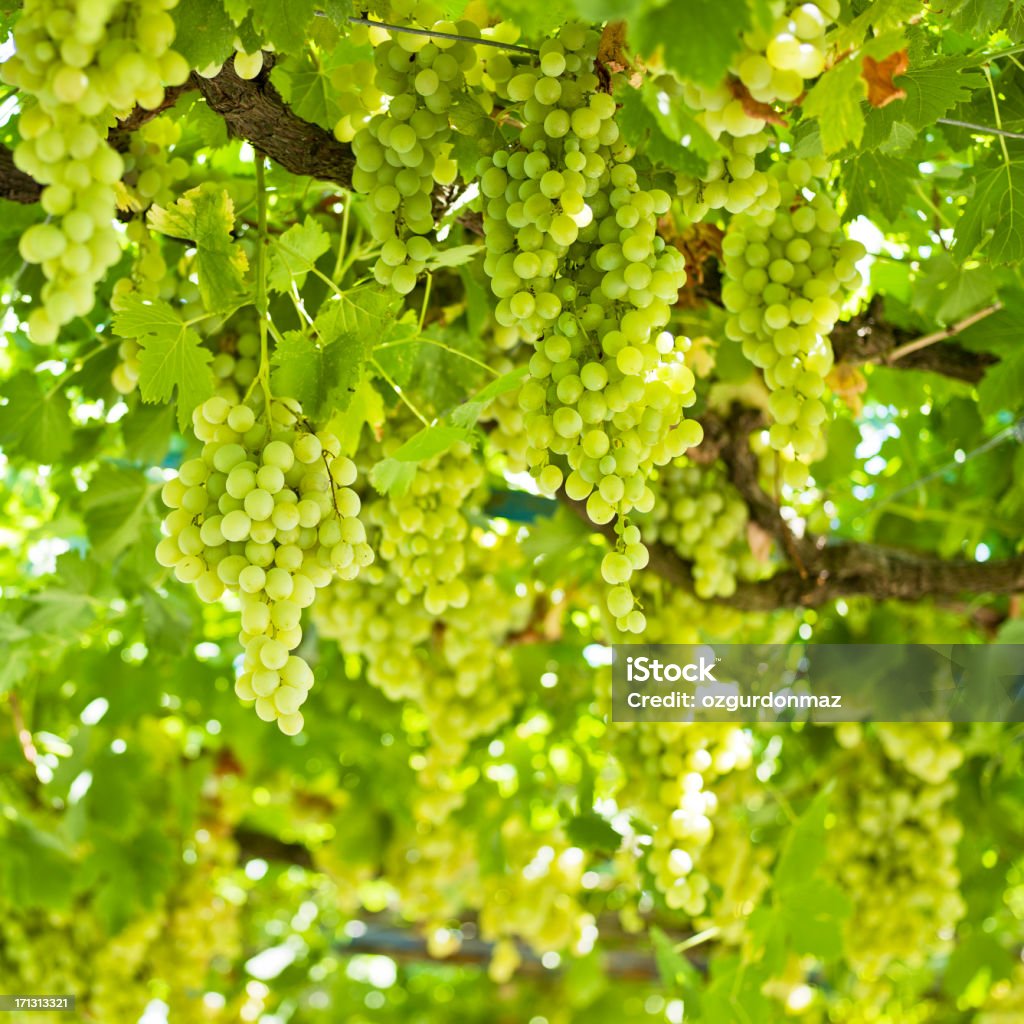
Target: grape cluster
[
  {"x": 267, "y": 513},
  {"x": 422, "y": 532},
  {"x": 666, "y": 769},
  {"x": 701, "y": 516},
  {"x": 577, "y": 266},
  {"x": 236, "y": 363},
  {"x": 77, "y": 67},
  {"x": 404, "y": 152},
  {"x": 149, "y": 177},
  {"x": 732, "y": 182},
  {"x": 787, "y": 273},
  {"x": 773, "y": 65},
  {"x": 537, "y": 897},
  {"x": 358, "y": 98},
  {"x": 894, "y": 847},
  {"x": 454, "y": 664}
]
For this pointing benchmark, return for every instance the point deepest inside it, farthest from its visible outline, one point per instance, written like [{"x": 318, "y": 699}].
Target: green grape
[
  {"x": 76, "y": 70},
  {"x": 403, "y": 147},
  {"x": 784, "y": 325},
  {"x": 453, "y": 662},
  {"x": 272, "y": 482},
  {"x": 896, "y": 835}
]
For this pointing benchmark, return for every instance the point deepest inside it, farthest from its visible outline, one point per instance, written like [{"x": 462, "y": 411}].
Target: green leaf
[
  {"x": 366, "y": 408},
  {"x": 206, "y": 216},
  {"x": 204, "y": 32},
  {"x": 172, "y": 357},
  {"x": 978, "y": 17},
  {"x": 284, "y": 22},
  {"x": 469, "y": 412},
  {"x": 394, "y": 475},
  {"x": 306, "y": 87},
  {"x": 114, "y": 505},
  {"x": 993, "y": 219},
  {"x": 803, "y": 851},
  {"x": 295, "y": 253},
  {"x": 677, "y": 974},
  {"x": 698, "y": 38},
  {"x": 455, "y": 256},
  {"x": 147, "y": 433},
  {"x": 875, "y": 181},
  {"x": 933, "y": 88},
  {"x": 35, "y": 421},
  {"x": 589, "y": 831},
  {"x": 1002, "y": 387},
  {"x": 835, "y": 101},
  {"x": 813, "y": 915},
  {"x": 321, "y": 375},
  {"x": 687, "y": 146}
]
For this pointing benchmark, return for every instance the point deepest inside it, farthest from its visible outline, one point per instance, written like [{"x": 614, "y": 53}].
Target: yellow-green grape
[
  {"x": 894, "y": 846},
  {"x": 668, "y": 769},
  {"x": 422, "y": 532},
  {"x": 455, "y": 665},
  {"x": 403, "y": 153},
  {"x": 236, "y": 364},
  {"x": 125, "y": 376},
  {"x": 537, "y": 898},
  {"x": 78, "y": 67},
  {"x": 773, "y": 65},
  {"x": 701, "y": 516},
  {"x": 788, "y": 273},
  {"x": 579, "y": 271},
  {"x": 358, "y": 98},
  {"x": 732, "y": 182},
  {"x": 267, "y": 512}
]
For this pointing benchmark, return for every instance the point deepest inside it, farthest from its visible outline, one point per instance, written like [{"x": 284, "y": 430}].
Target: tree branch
[
  {"x": 867, "y": 338},
  {"x": 255, "y": 111},
  {"x": 823, "y": 571}
]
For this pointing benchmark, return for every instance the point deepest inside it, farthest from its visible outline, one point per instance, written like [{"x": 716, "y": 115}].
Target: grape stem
[
  {"x": 444, "y": 348},
  {"x": 401, "y": 394},
  {"x": 981, "y": 129},
  {"x": 430, "y": 34}
]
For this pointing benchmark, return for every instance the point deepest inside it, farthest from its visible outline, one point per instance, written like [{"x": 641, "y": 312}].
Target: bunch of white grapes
[
  {"x": 787, "y": 273},
  {"x": 576, "y": 263},
  {"x": 424, "y": 532},
  {"x": 668, "y": 769},
  {"x": 236, "y": 364},
  {"x": 404, "y": 153},
  {"x": 894, "y": 847},
  {"x": 455, "y": 664},
  {"x": 267, "y": 512},
  {"x": 702, "y": 517},
  {"x": 732, "y": 182},
  {"x": 150, "y": 175},
  {"x": 77, "y": 67},
  {"x": 774, "y": 65}
]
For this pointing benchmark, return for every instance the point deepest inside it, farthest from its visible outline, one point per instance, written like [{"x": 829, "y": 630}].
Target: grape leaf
[
  {"x": 394, "y": 475},
  {"x": 589, "y": 831},
  {"x": 284, "y": 22},
  {"x": 993, "y": 218},
  {"x": 698, "y": 38},
  {"x": 147, "y": 433},
  {"x": 35, "y": 421},
  {"x": 803, "y": 851},
  {"x": 115, "y": 504},
  {"x": 813, "y": 915},
  {"x": 1002, "y": 387},
  {"x": 295, "y": 254},
  {"x": 319, "y": 374},
  {"x": 206, "y": 216},
  {"x": 469, "y": 412},
  {"x": 978, "y": 17},
  {"x": 677, "y": 974},
  {"x": 688, "y": 147},
  {"x": 366, "y": 408},
  {"x": 933, "y": 88},
  {"x": 875, "y": 181},
  {"x": 835, "y": 101},
  {"x": 172, "y": 356},
  {"x": 204, "y": 32}
]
